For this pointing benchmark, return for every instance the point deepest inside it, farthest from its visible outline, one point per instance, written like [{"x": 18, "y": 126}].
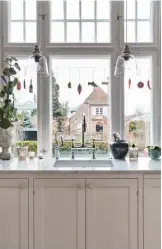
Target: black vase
[{"x": 119, "y": 149}]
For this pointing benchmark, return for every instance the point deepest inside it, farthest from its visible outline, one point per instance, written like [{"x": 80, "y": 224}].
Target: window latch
[
  {"x": 43, "y": 16},
  {"x": 118, "y": 17}
]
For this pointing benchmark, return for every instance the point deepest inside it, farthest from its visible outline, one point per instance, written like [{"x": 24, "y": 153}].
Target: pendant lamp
[
  {"x": 126, "y": 60},
  {"x": 38, "y": 62}
]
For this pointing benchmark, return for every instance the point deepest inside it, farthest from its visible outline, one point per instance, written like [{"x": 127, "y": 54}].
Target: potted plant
[
  {"x": 7, "y": 109},
  {"x": 154, "y": 151},
  {"x": 32, "y": 149}
]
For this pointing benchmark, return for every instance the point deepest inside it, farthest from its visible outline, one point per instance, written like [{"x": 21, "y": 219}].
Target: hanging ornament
[
  {"x": 31, "y": 87},
  {"x": 69, "y": 84},
  {"x": 18, "y": 85},
  {"x": 140, "y": 84},
  {"x": 24, "y": 84},
  {"x": 129, "y": 83},
  {"x": 148, "y": 84},
  {"x": 79, "y": 88}
]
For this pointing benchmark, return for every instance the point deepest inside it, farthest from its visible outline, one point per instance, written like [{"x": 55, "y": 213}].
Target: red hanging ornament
[
  {"x": 148, "y": 84},
  {"x": 140, "y": 84},
  {"x": 18, "y": 85},
  {"x": 129, "y": 83},
  {"x": 79, "y": 89}
]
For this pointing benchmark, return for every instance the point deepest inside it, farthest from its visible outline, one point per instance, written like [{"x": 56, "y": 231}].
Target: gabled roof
[{"x": 97, "y": 97}]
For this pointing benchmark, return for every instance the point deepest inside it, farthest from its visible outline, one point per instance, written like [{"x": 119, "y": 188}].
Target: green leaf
[
  {"x": 13, "y": 58},
  {"x": 15, "y": 82},
  {"x": 5, "y": 123},
  {"x": 8, "y": 59},
  {"x": 2, "y": 94},
  {"x": 6, "y": 71},
  {"x": 12, "y": 71},
  {"x": 17, "y": 66}
]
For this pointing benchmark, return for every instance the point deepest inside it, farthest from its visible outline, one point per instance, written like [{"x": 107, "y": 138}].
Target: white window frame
[{"x": 53, "y": 50}]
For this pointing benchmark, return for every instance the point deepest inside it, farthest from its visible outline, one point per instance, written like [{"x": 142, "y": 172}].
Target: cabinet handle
[
  {"x": 80, "y": 186},
  {"x": 89, "y": 186},
  {"x": 23, "y": 186}
]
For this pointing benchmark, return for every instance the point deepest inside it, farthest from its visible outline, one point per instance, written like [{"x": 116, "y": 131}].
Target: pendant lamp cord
[{"x": 126, "y": 20}]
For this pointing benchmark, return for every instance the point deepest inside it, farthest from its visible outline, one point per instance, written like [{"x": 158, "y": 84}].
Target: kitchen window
[{"x": 92, "y": 35}]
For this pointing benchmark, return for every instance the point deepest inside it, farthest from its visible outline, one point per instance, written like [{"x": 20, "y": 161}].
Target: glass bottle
[{"x": 133, "y": 153}]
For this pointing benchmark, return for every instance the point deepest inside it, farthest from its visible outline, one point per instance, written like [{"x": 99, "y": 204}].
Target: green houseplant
[
  {"x": 154, "y": 151},
  {"x": 32, "y": 147},
  {"x": 7, "y": 109}
]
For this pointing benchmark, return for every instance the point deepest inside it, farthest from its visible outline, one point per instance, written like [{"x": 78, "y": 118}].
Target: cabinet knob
[
  {"x": 89, "y": 186},
  {"x": 23, "y": 186},
  {"x": 80, "y": 186}
]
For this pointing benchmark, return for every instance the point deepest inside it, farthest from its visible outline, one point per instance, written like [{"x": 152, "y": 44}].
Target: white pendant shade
[{"x": 43, "y": 71}]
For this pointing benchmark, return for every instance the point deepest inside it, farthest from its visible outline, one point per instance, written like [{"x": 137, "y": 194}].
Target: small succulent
[{"x": 154, "y": 147}]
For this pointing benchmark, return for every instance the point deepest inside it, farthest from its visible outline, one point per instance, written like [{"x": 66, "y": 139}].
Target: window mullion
[
  {"x": 95, "y": 15},
  {"x": 24, "y": 26},
  {"x": 65, "y": 21},
  {"x": 80, "y": 21},
  {"x": 136, "y": 16}
]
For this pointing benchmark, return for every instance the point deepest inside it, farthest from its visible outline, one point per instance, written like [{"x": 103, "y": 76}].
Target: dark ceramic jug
[{"x": 119, "y": 149}]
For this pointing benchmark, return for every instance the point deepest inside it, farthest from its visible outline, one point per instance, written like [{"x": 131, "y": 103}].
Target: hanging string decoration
[
  {"x": 129, "y": 83},
  {"x": 18, "y": 85},
  {"x": 69, "y": 83},
  {"x": 24, "y": 84},
  {"x": 31, "y": 87},
  {"x": 140, "y": 84},
  {"x": 79, "y": 88},
  {"x": 148, "y": 85}
]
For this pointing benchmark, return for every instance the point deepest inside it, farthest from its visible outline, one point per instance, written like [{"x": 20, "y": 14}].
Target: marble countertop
[{"x": 143, "y": 164}]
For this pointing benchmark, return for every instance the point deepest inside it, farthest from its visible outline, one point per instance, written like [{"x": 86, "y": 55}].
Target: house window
[
  {"x": 80, "y": 21},
  {"x": 138, "y": 110},
  {"x": 81, "y": 40},
  {"x": 74, "y": 104},
  {"x": 99, "y": 111},
  {"x": 22, "y": 21},
  {"x": 99, "y": 127},
  {"x": 138, "y": 17}
]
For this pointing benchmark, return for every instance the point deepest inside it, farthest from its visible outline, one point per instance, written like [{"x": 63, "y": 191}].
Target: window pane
[
  {"x": 57, "y": 9},
  {"x": 72, "y": 32},
  {"x": 87, "y": 32},
  {"x": 130, "y": 31},
  {"x": 143, "y": 9},
  {"x": 30, "y": 9},
  {"x": 103, "y": 32},
  {"x": 31, "y": 32},
  {"x": 103, "y": 9},
  {"x": 16, "y": 34},
  {"x": 143, "y": 31},
  {"x": 87, "y": 9},
  {"x": 57, "y": 32},
  {"x": 72, "y": 8},
  {"x": 138, "y": 109},
  {"x": 16, "y": 9},
  {"x": 67, "y": 123},
  {"x": 129, "y": 9},
  {"x": 26, "y": 104}
]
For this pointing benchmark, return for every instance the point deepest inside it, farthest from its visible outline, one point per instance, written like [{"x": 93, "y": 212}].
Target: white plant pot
[
  {"x": 6, "y": 140},
  {"x": 31, "y": 154}
]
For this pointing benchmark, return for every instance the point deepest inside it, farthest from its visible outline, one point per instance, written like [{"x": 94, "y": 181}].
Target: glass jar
[
  {"x": 133, "y": 153},
  {"x": 22, "y": 152}
]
